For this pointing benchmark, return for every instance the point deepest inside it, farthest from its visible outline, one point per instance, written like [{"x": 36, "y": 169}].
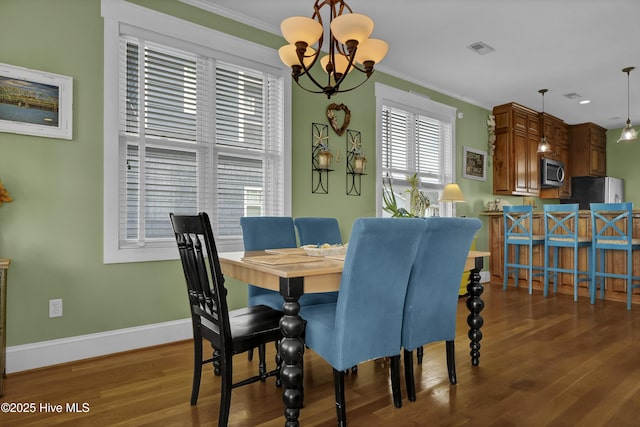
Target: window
[
  {"x": 415, "y": 136},
  {"x": 196, "y": 129}
]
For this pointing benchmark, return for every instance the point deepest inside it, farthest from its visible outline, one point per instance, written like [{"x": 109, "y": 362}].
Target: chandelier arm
[{"x": 355, "y": 87}]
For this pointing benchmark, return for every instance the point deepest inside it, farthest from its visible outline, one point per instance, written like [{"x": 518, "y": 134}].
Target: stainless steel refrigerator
[{"x": 595, "y": 189}]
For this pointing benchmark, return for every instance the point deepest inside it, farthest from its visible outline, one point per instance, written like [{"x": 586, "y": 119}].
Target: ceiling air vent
[
  {"x": 572, "y": 95},
  {"x": 481, "y": 48}
]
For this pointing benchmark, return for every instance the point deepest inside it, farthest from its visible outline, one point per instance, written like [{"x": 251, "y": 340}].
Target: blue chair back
[
  {"x": 267, "y": 232},
  {"x": 561, "y": 223},
  {"x": 312, "y": 231},
  {"x": 432, "y": 295},
  {"x": 612, "y": 231},
  {"x": 274, "y": 232},
  {"x": 368, "y": 313},
  {"x": 517, "y": 222}
]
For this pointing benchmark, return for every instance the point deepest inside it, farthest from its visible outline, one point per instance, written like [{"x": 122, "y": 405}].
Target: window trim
[
  {"x": 413, "y": 102},
  {"x": 117, "y": 13}
]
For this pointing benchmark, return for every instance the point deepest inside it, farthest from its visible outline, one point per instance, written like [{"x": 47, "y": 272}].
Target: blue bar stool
[
  {"x": 518, "y": 233},
  {"x": 561, "y": 231},
  {"x": 611, "y": 229}
]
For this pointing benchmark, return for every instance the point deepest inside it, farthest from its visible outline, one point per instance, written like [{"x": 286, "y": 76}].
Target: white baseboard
[{"x": 47, "y": 353}]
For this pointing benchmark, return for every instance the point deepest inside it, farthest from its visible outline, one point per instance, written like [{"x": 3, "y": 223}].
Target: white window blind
[
  {"x": 415, "y": 135},
  {"x": 197, "y": 132}
]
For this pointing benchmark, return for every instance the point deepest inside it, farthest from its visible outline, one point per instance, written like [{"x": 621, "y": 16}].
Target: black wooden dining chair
[{"x": 229, "y": 332}]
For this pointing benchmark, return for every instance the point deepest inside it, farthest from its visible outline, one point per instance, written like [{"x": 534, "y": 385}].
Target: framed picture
[
  {"x": 35, "y": 102},
  {"x": 474, "y": 164}
]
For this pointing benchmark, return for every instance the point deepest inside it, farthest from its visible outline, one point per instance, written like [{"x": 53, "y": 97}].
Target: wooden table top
[{"x": 320, "y": 274}]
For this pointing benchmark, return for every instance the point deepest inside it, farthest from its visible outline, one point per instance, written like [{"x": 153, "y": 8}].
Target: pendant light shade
[
  {"x": 629, "y": 134},
  {"x": 543, "y": 145}
]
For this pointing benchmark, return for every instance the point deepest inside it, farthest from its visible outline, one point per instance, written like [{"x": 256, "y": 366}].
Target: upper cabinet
[
  {"x": 557, "y": 133},
  {"x": 588, "y": 150},
  {"x": 515, "y": 160},
  {"x": 516, "y": 164}
]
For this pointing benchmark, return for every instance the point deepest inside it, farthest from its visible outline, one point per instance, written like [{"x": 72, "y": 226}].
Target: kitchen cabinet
[
  {"x": 588, "y": 143},
  {"x": 556, "y": 132},
  {"x": 515, "y": 161}
]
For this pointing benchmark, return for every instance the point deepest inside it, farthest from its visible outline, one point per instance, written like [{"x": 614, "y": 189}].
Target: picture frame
[
  {"x": 35, "y": 102},
  {"x": 474, "y": 164}
]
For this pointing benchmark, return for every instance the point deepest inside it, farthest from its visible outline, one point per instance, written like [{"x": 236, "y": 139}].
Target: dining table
[{"x": 292, "y": 273}]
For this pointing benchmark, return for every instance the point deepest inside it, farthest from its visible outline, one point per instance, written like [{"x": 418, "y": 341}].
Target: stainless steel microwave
[{"x": 551, "y": 173}]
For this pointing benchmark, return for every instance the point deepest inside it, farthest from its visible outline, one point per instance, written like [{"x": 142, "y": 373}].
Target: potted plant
[{"x": 418, "y": 200}]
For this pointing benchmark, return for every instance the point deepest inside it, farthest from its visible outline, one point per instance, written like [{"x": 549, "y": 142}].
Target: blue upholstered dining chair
[
  {"x": 366, "y": 321},
  {"x": 518, "y": 232},
  {"x": 315, "y": 230},
  {"x": 562, "y": 231},
  {"x": 612, "y": 230},
  {"x": 271, "y": 232},
  {"x": 430, "y": 308}
]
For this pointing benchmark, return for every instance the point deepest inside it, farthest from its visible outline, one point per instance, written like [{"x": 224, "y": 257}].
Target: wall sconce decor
[
  {"x": 356, "y": 162},
  {"x": 321, "y": 158}
]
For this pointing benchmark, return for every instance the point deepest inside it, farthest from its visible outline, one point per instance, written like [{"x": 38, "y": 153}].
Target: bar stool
[
  {"x": 612, "y": 230},
  {"x": 518, "y": 228},
  {"x": 561, "y": 231}
]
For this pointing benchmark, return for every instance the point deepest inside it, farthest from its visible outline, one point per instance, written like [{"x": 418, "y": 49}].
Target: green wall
[{"x": 53, "y": 229}]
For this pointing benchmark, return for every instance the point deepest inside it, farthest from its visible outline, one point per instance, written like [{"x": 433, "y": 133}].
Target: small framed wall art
[
  {"x": 35, "y": 102},
  {"x": 474, "y": 164}
]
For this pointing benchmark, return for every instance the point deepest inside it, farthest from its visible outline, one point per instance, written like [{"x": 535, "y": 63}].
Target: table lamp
[{"x": 451, "y": 193}]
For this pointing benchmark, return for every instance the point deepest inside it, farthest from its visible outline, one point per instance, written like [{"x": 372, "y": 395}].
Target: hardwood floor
[{"x": 544, "y": 362}]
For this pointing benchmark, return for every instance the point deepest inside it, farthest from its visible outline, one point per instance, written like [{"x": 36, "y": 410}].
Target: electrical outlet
[{"x": 55, "y": 308}]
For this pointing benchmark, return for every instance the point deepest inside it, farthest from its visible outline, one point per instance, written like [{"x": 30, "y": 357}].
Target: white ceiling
[{"x": 566, "y": 46}]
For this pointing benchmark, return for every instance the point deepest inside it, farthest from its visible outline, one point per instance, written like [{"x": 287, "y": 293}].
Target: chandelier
[{"x": 350, "y": 47}]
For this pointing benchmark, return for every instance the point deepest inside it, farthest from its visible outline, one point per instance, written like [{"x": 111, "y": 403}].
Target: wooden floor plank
[{"x": 544, "y": 362}]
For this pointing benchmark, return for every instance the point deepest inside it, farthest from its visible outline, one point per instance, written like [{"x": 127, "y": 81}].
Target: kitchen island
[{"x": 615, "y": 289}]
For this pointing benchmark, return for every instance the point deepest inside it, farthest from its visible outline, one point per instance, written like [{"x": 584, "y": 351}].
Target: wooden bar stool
[
  {"x": 518, "y": 228},
  {"x": 561, "y": 231},
  {"x": 612, "y": 230}
]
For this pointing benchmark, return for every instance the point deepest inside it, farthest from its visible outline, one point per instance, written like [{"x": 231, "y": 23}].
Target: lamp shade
[
  {"x": 340, "y": 65},
  {"x": 451, "y": 193},
  {"x": 372, "y": 50},
  {"x": 289, "y": 55},
  {"x": 351, "y": 26},
  {"x": 629, "y": 134},
  {"x": 301, "y": 29},
  {"x": 544, "y": 146}
]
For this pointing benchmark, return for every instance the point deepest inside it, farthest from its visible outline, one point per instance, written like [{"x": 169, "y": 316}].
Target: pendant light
[
  {"x": 543, "y": 145},
  {"x": 629, "y": 134}
]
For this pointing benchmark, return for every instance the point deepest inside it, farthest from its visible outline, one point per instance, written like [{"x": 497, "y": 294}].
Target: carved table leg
[
  {"x": 475, "y": 306},
  {"x": 291, "y": 349}
]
